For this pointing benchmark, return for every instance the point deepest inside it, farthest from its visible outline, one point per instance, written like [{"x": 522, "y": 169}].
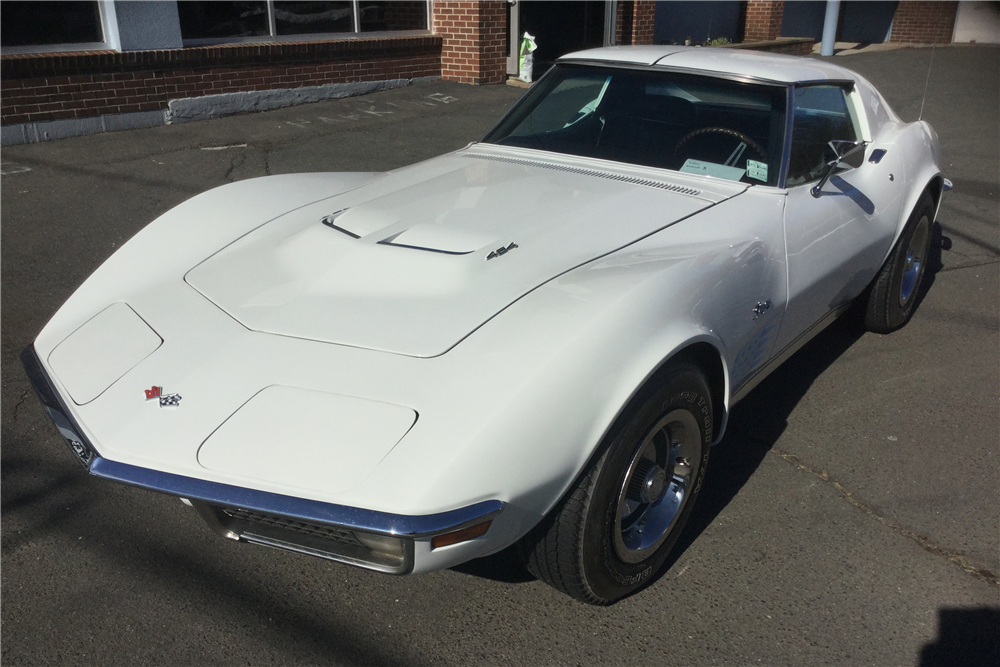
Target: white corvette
[{"x": 534, "y": 339}]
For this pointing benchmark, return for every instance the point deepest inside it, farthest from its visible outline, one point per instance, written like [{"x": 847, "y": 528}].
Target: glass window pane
[
  {"x": 222, "y": 20},
  {"x": 668, "y": 120},
  {"x": 822, "y": 115},
  {"x": 379, "y": 16},
  {"x": 304, "y": 18},
  {"x": 38, "y": 23}
]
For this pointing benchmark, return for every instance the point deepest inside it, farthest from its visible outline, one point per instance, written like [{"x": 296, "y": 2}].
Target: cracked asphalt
[{"x": 851, "y": 516}]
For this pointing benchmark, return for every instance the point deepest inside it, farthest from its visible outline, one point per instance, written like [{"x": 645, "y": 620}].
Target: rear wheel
[
  {"x": 615, "y": 528},
  {"x": 893, "y": 294}
]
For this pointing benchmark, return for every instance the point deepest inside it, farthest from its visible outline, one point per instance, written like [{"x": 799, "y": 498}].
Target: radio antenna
[{"x": 926, "y": 82}]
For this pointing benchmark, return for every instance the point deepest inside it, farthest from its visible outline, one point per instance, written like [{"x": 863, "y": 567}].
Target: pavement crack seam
[
  {"x": 20, "y": 402},
  {"x": 237, "y": 161},
  {"x": 926, "y": 543},
  {"x": 968, "y": 266}
]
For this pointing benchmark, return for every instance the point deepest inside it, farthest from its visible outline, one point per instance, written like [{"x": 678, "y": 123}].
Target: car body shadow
[{"x": 968, "y": 637}]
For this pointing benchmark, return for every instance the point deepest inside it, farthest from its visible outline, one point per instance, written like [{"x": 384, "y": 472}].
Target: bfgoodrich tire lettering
[{"x": 614, "y": 529}]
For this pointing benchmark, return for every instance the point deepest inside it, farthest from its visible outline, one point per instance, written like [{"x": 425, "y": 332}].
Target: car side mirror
[{"x": 850, "y": 155}]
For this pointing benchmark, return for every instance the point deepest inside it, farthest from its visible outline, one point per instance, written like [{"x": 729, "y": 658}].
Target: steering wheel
[{"x": 721, "y": 130}]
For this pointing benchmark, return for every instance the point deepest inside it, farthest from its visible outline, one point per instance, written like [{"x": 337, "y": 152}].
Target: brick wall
[
  {"x": 634, "y": 22},
  {"x": 924, "y": 22},
  {"x": 643, "y": 19},
  {"x": 474, "y": 40},
  {"x": 763, "y": 20},
  {"x": 53, "y": 86}
]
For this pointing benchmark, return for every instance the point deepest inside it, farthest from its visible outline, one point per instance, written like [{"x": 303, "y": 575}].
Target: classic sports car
[{"x": 535, "y": 339}]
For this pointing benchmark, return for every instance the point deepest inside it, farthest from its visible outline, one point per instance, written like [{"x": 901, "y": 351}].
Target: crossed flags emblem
[{"x": 166, "y": 400}]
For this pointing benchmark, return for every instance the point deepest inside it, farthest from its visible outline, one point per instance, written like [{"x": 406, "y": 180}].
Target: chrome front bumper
[{"x": 366, "y": 538}]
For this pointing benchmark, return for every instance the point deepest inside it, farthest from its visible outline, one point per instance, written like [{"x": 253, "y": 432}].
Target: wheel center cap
[{"x": 653, "y": 485}]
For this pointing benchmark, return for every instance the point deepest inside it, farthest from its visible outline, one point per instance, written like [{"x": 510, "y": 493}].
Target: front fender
[
  {"x": 533, "y": 393},
  {"x": 922, "y": 156}
]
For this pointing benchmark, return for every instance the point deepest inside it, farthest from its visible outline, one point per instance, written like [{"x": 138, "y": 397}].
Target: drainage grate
[{"x": 592, "y": 172}]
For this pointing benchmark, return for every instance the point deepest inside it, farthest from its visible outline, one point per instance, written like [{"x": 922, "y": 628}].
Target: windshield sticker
[
  {"x": 712, "y": 169},
  {"x": 757, "y": 170}
]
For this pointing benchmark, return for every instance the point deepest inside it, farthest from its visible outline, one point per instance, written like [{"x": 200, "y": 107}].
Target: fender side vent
[{"x": 593, "y": 172}]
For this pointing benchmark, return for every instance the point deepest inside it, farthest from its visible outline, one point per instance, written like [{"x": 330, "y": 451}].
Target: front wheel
[{"x": 616, "y": 526}]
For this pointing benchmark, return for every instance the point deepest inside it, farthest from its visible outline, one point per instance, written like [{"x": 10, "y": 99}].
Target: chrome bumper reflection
[{"x": 366, "y": 538}]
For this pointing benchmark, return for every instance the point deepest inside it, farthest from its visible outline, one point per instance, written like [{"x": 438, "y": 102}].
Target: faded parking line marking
[
  {"x": 222, "y": 148},
  {"x": 356, "y": 114},
  {"x": 9, "y": 169}
]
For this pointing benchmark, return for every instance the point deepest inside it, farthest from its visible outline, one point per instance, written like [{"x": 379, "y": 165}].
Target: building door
[
  {"x": 513, "y": 38},
  {"x": 559, "y": 28}
]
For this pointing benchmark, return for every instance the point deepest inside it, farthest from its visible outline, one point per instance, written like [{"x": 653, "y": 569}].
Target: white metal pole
[{"x": 830, "y": 27}]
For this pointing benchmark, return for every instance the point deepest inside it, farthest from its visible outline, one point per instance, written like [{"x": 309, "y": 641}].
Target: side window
[{"x": 822, "y": 115}]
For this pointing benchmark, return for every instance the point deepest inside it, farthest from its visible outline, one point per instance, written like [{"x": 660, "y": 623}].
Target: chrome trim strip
[
  {"x": 786, "y": 150},
  {"x": 352, "y": 518},
  {"x": 664, "y": 67},
  {"x": 747, "y": 385}
]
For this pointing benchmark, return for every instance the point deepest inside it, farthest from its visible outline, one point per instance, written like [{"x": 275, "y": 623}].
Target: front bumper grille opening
[
  {"x": 301, "y": 527},
  {"x": 384, "y": 553}
]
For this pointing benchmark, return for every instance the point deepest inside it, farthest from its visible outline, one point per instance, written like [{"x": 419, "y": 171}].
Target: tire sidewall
[
  {"x": 897, "y": 314},
  {"x": 607, "y": 575}
]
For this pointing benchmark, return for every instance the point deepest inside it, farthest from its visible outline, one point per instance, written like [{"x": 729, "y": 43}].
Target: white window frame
[
  {"x": 274, "y": 37},
  {"x": 109, "y": 28}
]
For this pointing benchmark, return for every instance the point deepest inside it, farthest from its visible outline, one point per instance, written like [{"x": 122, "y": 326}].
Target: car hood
[{"x": 415, "y": 261}]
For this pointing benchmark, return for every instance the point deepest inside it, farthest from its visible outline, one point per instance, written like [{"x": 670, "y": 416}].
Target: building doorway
[{"x": 559, "y": 28}]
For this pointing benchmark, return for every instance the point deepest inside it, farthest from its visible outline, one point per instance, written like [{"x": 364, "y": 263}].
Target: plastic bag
[{"x": 527, "y": 60}]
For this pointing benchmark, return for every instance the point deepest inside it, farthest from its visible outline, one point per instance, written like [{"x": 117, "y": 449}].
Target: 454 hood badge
[{"x": 166, "y": 400}]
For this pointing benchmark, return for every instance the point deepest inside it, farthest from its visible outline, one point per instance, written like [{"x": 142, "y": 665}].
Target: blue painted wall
[
  {"x": 676, "y": 21},
  {"x": 859, "y": 21}
]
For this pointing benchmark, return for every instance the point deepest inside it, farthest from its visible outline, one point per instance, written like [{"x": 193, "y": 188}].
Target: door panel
[{"x": 836, "y": 242}]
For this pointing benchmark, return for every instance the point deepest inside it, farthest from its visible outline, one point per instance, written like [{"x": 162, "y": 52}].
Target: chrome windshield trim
[
  {"x": 664, "y": 67},
  {"x": 354, "y": 518}
]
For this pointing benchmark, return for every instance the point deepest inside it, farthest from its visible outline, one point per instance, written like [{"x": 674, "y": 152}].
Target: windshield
[{"x": 689, "y": 123}]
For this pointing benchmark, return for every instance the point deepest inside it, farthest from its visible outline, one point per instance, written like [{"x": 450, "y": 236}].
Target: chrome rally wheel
[{"x": 657, "y": 486}]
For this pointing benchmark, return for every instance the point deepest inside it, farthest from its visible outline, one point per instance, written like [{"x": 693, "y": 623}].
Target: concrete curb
[
  {"x": 226, "y": 104},
  {"x": 194, "y": 108}
]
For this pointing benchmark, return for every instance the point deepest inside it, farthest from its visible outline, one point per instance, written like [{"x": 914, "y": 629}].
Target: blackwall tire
[
  {"x": 894, "y": 292},
  {"x": 615, "y": 527}
]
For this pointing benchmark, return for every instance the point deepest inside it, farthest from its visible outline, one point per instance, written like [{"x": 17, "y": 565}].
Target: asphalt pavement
[{"x": 851, "y": 516}]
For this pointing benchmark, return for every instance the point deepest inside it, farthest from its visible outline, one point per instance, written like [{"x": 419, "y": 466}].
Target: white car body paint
[{"x": 495, "y": 379}]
